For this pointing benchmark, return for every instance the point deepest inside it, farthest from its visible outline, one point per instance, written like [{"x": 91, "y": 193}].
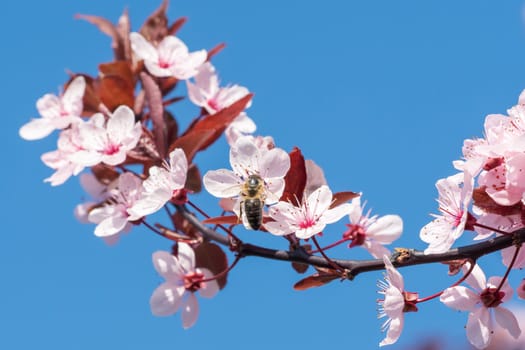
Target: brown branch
[{"x": 355, "y": 267}]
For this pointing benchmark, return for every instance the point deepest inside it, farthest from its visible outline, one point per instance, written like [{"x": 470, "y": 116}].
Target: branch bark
[{"x": 401, "y": 257}]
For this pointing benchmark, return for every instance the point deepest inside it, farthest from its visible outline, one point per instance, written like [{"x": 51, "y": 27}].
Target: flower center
[
  {"x": 214, "y": 104},
  {"x": 179, "y": 196},
  {"x": 163, "y": 64},
  {"x": 306, "y": 223},
  {"x": 491, "y": 297},
  {"x": 356, "y": 233},
  {"x": 111, "y": 149},
  {"x": 193, "y": 281}
]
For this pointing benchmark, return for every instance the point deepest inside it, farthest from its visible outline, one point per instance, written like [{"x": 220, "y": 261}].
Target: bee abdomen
[{"x": 253, "y": 211}]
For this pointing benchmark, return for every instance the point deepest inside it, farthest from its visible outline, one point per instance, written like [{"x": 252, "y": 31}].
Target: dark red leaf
[
  {"x": 212, "y": 257},
  {"x": 295, "y": 179},
  {"x": 124, "y": 28},
  {"x": 156, "y": 26},
  {"x": 215, "y": 50},
  {"x": 156, "y": 111},
  {"x": 177, "y": 25},
  {"x": 193, "y": 142},
  {"x": 298, "y": 267},
  {"x": 484, "y": 201},
  {"x": 222, "y": 220},
  {"x": 114, "y": 91},
  {"x": 342, "y": 197},
  {"x": 318, "y": 279},
  {"x": 104, "y": 174},
  {"x": 183, "y": 225},
  {"x": 219, "y": 121},
  {"x": 193, "y": 180}
]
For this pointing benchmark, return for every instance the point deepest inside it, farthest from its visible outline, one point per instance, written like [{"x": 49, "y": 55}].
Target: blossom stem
[
  {"x": 229, "y": 232},
  {"x": 155, "y": 230},
  {"x": 335, "y": 244},
  {"x": 492, "y": 229},
  {"x": 438, "y": 294},
  {"x": 514, "y": 257},
  {"x": 320, "y": 250}
]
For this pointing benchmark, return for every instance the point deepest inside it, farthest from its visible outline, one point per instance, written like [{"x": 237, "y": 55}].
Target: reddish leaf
[
  {"x": 156, "y": 111},
  {"x": 342, "y": 197},
  {"x": 318, "y": 279},
  {"x": 484, "y": 201},
  {"x": 124, "y": 28},
  {"x": 114, "y": 91},
  {"x": 105, "y": 174},
  {"x": 172, "y": 127},
  {"x": 156, "y": 26},
  {"x": 212, "y": 257},
  {"x": 146, "y": 151},
  {"x": 295, "y": 179},
  {"x": 108, "y": 28},
  {"x": 177, "y": 25},
  {"x": 298, "y": 267},
  {"x": 219, "y": 121},
  {"x": 183, "y": 225},
  {"x": 121, "y": 69},
  {"x": 215, "y": 50},
  {"x": 91, "y": 101},
  {"x": 193, "y": 180},
  {"x": 222, "y": 220},
  {"x": 192, "y": 143},
  {"x": 167, "y": 84}
]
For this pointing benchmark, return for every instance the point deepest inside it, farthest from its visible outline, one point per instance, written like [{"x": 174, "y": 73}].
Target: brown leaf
[
  {"x": 192, "y": 143},
  {"x": 339, "y": 198},
  {"x": 156, "y": 26},
  {"x": 218, "y": 122},
  {"x": 156, "y": 111},
  {"x": 299, "y": 267},
  {"x": 482, "y": 200},
  {"x": 211, "y": 256},
  {"x": 177, "y": 25},
  {"x": 114, "y": 91},
  {"x": 124, "y": 28},
  {"x": 183, "y": 225},
  {"x": 104, "y": 174},
  {"x": 215, "y": 50},
  {"x": 193, "y": 180},
  {"x": 108, "y": 28},
  {"x": 222, "y": 220},
  {"x": 318, "y": 279},
  {"x": 295, "y": 179}
]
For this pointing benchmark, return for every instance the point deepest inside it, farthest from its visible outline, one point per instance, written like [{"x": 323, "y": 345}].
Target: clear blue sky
[{"x": 381, "y": 94}]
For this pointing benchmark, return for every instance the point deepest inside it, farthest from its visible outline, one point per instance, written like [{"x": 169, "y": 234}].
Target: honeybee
[{"x": 252, "y": 201}]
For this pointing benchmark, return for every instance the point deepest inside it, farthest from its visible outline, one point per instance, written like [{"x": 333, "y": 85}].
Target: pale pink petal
[
  {"x": 386, "y": 229},
  {"x": 275, "y": 189},
  {"x": 206, "y": 79},
  {"x": 36, "y": 129},
  {"x": 506, "y": 319},
  {"x": 376, "y": 249},
  {"x": 305, "y": 233},
  {"x": 335, "y": 214},
  {"x": 157, "y": 71},
  {"x": 393, "y": 276},
  {"x": 111, "y": 225},
  {"x": 244, "y": 157},
  {"x": 394, "y": 331},
  {"x": 48, "y": 106},
  {"x": 222, "y": 183},
  {"x": 187, "y": 68},
  {"x": 178, "y": 167},
  {"x": 186, "y": 257},
  {"x": 210, "y": 288},
  {"x": 142, "y": 48},
  {"x": 356, "y": 211},
  {"x": 479, "y": 328},
  {"x": 507, "y": 255},
  {"x": 495, "y": 281},
  {"x": 168, "y": 267},
  {"x": 460, "y": 298},
  {"x": 190, "y": 311},
  {"x": 120, "y": 123},
  {"x": 195, "y": 95},
  {"x": 476, "y": 279},
  {"x": 72, "y": 98},
  {"x": 314, "y": 177},
  {"x": 115, "y": 159},
  {"x": 279, "y": 228},
  {"x": 166, "y": 299},
  {"x": 274, "y": 163},
  {"x": 244, "y": 124},
  {"x": 149, "y": 204},
  {"x": 319, "y": 200}
]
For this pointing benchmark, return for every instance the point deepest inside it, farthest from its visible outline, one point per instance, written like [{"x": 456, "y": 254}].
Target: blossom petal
[
  {"x": 506, "y": 319},
  {"x": 72, "y": 98},
  {"x": 149, "y": 204},
  {"x": 211, "y": 288},
  {"x": 166, "y": 299},
  {"x": 36, "y": 129},
  {"x": 394, "y": 331},
  {"x": 222, "y": 183},
  {"x": 394, "y": 277},
  {"x": 178, "y": 168},
  {"x": 190, "y": 311},
  {"x": 142, "y": 48},
  {"x": 335, "y": 214},
  {"x": 244, "y": 157},
  {"x": 274, "y": 163},
  {"x": 386, "y": 229},
  {"x": 479, "y": 328},
  {"x": 167, "y": 266},
  {"x": 111, "y": 225},
  {"x": 459, "y": 298},
  {"x": 121, "y": 123},
  {"x": 186, "y": 257}
]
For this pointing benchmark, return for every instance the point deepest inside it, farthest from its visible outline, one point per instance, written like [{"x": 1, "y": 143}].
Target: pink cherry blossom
[
  {"x": 67, "y": 159},
  {"x": 483, "y": 302},
  {"x": 453, "y": 201},
  {"x": 396, "y": 301},
  {"x": 241, "y": 126},
  {"x": 309, "y": 219},
  {"x": 170, "y": 58},
  {"x": 112, "y": 217},
  {"x": 109, "y": 142},
  {"x": 183, "y": 280},
  {"x": 163, "y": 184},
  {"x": 372, "y": 232},
  {"x": 248, "y": 157},
  {"x": 58, "y": 112},
  {"x": 97, "y": 191}
]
